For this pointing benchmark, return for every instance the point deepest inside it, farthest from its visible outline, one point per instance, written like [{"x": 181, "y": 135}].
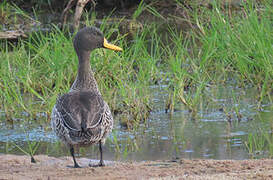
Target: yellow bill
[{"x": 111, "y": 46}]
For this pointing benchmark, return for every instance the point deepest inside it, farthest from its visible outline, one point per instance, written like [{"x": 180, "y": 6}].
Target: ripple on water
[{"x": 206, "y": 135}]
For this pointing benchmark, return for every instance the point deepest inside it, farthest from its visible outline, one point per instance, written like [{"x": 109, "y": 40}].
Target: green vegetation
[
  {"x": 32, "y": 148},
  {"x": 225, "y": 45},
  {"x": 11, "y": 17}
]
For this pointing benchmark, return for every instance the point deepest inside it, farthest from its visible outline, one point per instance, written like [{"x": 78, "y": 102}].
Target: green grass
[
  {"x": 223, "y": 47},
  {"x": 240, "y": 44},
  {"x": 260, "y": 144},
  {"x": 13, "y": 18},
  {"x": 32, "y": 147}
]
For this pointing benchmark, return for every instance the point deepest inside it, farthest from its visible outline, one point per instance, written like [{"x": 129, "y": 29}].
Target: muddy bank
[{"x": 19, "y": 167}]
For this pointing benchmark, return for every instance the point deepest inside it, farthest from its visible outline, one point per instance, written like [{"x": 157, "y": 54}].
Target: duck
[{"x": 81, "y": 117}]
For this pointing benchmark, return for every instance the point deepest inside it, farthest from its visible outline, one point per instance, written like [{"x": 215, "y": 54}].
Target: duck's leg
[
  {"x": 101, "y": 156},
  {"x": 76, "y": 165},
  {"x": 101, "y": 163}
]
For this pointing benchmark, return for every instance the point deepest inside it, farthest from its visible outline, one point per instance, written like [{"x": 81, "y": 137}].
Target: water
[{"x": 210, "y": 134}]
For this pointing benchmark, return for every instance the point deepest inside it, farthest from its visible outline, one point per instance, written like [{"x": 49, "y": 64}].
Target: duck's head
[{"x": 90, "y": 38}]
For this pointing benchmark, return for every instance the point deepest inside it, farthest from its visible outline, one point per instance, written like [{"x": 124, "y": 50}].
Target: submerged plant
[{"x": 260, "y": 144}]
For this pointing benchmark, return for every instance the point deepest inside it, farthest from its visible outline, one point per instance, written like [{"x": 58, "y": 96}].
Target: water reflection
[{"x": 208, "y": 135}]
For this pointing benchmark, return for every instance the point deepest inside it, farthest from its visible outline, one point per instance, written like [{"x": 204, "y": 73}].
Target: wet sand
[{"x": 49, "y": 168}]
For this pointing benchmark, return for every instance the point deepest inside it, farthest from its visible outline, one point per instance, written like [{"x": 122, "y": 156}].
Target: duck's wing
[{"x": 80, "y": 110}]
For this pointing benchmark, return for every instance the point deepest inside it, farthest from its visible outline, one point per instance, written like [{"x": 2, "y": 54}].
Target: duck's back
[{"x": 81, "y": 117}]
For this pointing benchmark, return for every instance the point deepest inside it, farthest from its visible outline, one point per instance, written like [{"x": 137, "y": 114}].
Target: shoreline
[{"x": 20, "y": 167}]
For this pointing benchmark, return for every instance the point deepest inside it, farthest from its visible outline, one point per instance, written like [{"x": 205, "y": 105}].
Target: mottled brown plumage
[{"x": 81, "y": 117}]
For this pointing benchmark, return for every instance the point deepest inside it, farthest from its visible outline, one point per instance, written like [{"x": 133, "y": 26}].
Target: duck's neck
[{"x": 85, "y": 79}]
